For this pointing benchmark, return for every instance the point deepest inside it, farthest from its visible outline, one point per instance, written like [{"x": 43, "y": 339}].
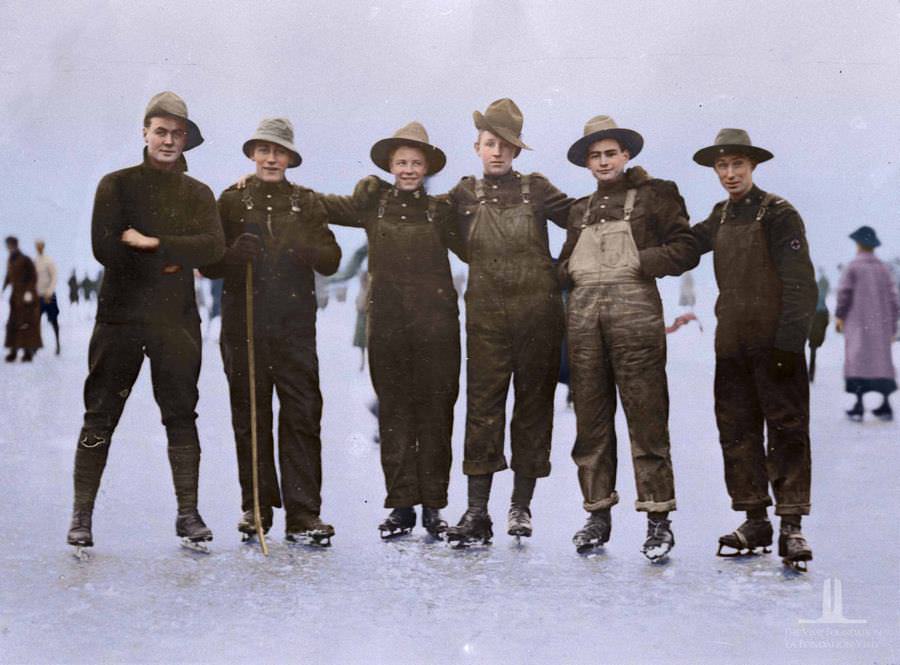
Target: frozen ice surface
[{"x": 141, "y": 598}]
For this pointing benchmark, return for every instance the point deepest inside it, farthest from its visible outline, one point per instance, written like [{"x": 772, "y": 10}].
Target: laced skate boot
[
  {"x": 475, "y": 525},
  {"x": 595, "y": 533},
  {"x": 856, "y": 413},
  {"x": 309, "y": 530},
  {"x": 193, "y": 531},
  {"x": 793, "y": 548},
  {"x": 399, "y": 522},
  {"x": 247, "y": 524},
  {"x": 750, "y": 537},
  {"x": 434, "y": 523},
  {"x": 518, "y": 522},
  {"x": 660, "y": 540},
  {"x": 884, "y": 412},
  {"x": 80, "y": 536}
]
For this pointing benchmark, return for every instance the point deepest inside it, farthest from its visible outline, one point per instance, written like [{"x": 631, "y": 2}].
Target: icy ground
[{"x": 143, "y": 599}]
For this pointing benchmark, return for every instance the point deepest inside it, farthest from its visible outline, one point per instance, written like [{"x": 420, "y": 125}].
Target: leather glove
[
  {"x": 783, "y": 364},
  {"x": 365, "y": 194},
  {"x": 246, "y": 247}
]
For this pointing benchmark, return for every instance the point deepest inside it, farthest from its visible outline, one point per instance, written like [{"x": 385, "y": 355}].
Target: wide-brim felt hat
[
  {"x": 279, "y": 131},
  {"x": 168, "y": 103},
  {"x": 731, "y": 141},
  {"x": 504, "y": 119},
  {"x": 866, "y": 236},
  {"x": 414, "y": 135},
  {"x": 603, "y": 127}
]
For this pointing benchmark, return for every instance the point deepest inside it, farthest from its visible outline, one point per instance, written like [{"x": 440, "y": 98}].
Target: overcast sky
[{"x": 817, "y": 83}]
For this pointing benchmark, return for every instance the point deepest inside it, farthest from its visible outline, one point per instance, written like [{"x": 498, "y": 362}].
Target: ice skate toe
[
  {"x": 196, "y": 544},
  {"x": 81, "y": 552}
]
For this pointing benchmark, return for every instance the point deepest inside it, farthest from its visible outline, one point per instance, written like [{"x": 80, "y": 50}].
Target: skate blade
[
  {"x": 468, "y": 543},
  {"x": 796, "y": 565},
  {"x": 310, "y": 540},
  {"x": 397, "y": 533},
  {"x": 590, "y": 548},
  {"x": 520, "y": 533},
  {"x": 743, "y": 552},
  {"x": 81, "y": 552},
  {"x": 199, "y": 546},
  {"x": 655, "y": 556}
]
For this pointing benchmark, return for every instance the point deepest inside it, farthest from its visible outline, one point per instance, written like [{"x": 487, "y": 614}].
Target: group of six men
[{"x": 153, "y": 225}]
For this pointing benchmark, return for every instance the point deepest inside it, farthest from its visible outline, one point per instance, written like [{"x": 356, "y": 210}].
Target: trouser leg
[
  {"x": 594, "y": 398},
  {"x": 785, "y": 405},
  {"x": 740, "y": 420},
  {"x": 115, "y": 355},
  {"x": 296, "y": 374}
]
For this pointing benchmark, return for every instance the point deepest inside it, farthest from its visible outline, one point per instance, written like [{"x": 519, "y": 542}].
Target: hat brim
[
  {"x": 381, "y": 153},
  {"x": 707, "y": 156},
  {"x": 629, "y": 139},
  {"x": 296, "y": 159},
  {"x": 194, "y": 137},
  {"x": 869, "y": 240},
  {"x": 481, "y": 124}
]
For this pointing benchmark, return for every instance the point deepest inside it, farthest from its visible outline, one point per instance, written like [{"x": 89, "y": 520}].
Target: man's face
[
  {"x": 496, "y": 154},
  {"x": 39, "y": 246},
  {"x": 165, "y": 138},
  {"x": 735, "y": 173},
  {"x": 607, "y": 160},
  {"x": 10, "y": 247},
  {"x": 271, "y": 161},
  {"x": 409, "y": 166}
]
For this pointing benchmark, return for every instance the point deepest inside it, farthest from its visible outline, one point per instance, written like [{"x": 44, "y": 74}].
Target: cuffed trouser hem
[
  {"x": 402, "y": 502},
  {"x": 655, "y": 506},
  {"x": 608, "y": 502},
  {"x": 751, "y": 505},
  {"x": 792, "y": 509},
  {"x": 532, "y": 470},
  {"x": 481, "y": 468}
]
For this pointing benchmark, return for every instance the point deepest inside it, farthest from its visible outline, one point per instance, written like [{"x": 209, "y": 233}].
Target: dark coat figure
[
  {"x": 23, "y": 328},
  {"x": 73, "y": 289}
]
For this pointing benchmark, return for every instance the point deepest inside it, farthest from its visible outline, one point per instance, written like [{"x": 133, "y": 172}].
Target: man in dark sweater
[{"x": 152, "y": 225}]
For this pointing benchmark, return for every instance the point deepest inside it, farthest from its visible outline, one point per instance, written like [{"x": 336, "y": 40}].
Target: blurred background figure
[
  {"x": 819, "y": 323},
  {"x": 23, "y": 328},
  {"x": 215, "y": 301},
  {"x": 46, "y": 288},
  {"x": 868, "y": 307},
  {"x": 687, "y": 297},
  {"x": 73, "y": 288},
  {"x": 362, "y": 312}
]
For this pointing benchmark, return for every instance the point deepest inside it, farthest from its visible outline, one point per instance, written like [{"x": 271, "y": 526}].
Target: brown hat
[
  {"x": 504, "y": 119},
  {"x": 168, "y": 103},
  {"x": 279, "y": 131},
  {"x": 414, "y": 135},
  {"x": 603, "y": 127},
  {"x": 730, "y": 141}
]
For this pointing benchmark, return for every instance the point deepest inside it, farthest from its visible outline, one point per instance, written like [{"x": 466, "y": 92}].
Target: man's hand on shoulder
[{"x": 136, "y": 240}]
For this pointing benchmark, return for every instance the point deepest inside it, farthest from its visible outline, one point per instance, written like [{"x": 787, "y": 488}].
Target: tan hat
[
  {"x": 168, "y": 103},
  {"x": 414, "y": 135},
  {"x": 604, "y": 127},
  {"x": 504, "y": 119},
  {"x": 279, "y": 131},
  {"x": 730, "y": 141}
]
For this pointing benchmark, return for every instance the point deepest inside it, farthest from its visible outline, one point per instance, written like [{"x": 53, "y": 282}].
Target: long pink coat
[{"x": 868, "y": 302}]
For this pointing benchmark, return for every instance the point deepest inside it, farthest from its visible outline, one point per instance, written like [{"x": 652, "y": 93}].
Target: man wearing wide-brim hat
[
  {"x": 632, "y": 230},
  {"x": 152, "y": 226},
  {"x": 280, "y": 228},
  {"x": 413, "y": 324},
  {"x": 513, "y": 319},
  {"x": 767, "y": 298}
]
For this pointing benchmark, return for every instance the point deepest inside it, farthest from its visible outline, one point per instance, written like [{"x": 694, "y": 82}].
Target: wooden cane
[{"x": 254, "y": 446}]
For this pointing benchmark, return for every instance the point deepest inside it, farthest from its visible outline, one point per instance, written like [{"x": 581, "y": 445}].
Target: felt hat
[
  {"x": 866, "y": 236},
  {"x": 168, "y": 103},
  {"x": 279, "y": 131},
  {"x": 504, "y": 119},
  {"x": 603, "y": 127},
  {"x": 414, "y": 135},
  {"x": 731, "y": 141}
]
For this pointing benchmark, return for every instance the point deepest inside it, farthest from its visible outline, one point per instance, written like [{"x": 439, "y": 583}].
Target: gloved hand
[
  {"x": 365, "y": 194},
  {"x": 783, "y": 364},
  {"x": 28, "y": 297},
  {"x": 307, "y": 254},
  {"x": 246, "y": 247}
]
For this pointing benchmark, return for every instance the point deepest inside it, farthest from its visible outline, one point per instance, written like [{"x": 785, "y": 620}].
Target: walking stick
[{"x": 254, "y": 446}]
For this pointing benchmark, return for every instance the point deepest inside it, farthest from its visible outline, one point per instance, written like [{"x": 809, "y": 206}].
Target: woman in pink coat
[{"x": 867, "y": 310}]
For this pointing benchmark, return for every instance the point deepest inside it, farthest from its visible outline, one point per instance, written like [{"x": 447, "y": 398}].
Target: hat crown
[
  {"x": 279, "y": 128},
  {"x": 599, "y": 123},
  {"x": 732, "y": 136},
  {"x": 414, "y": 131},
  {"x": 505, "y": 113},
  {"x": 167, "y": 102}
]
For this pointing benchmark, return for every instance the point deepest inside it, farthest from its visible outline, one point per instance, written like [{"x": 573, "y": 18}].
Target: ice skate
[
  {"x": 856, "y": 413},
  {"x": 518, "y": 522},
  {"x": 884, "y": 412},
  {"x": 399, "y": 522},
  {"x": 434, "y": 523},
  {"x": 475, "y": 525},
  {"x": 660, "y": 540},
  {"x": 309, "y": 531},
  {"x": 193, "y": 532},
  {"x": 595, "y": 533},
  {"x": 247, "y": 524},
  {"x": 754, "y": 536},
  {"x": 793, "y": 548},
  {"x": 80, "y": 536}
]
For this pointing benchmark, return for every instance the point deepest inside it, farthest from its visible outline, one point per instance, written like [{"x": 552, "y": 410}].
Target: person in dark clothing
[
  {"x": 514, "y": 320},
  {"x": 767, "y": 297},
  {"x": 632, "y": 230},
  {"x": 413, "y": 324},
  {"x": 280, "y": 228},
  {"x": 152, "y": 225},
  {"x": 73, "y": 288},
  {"x": 23, "y": 327}
]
